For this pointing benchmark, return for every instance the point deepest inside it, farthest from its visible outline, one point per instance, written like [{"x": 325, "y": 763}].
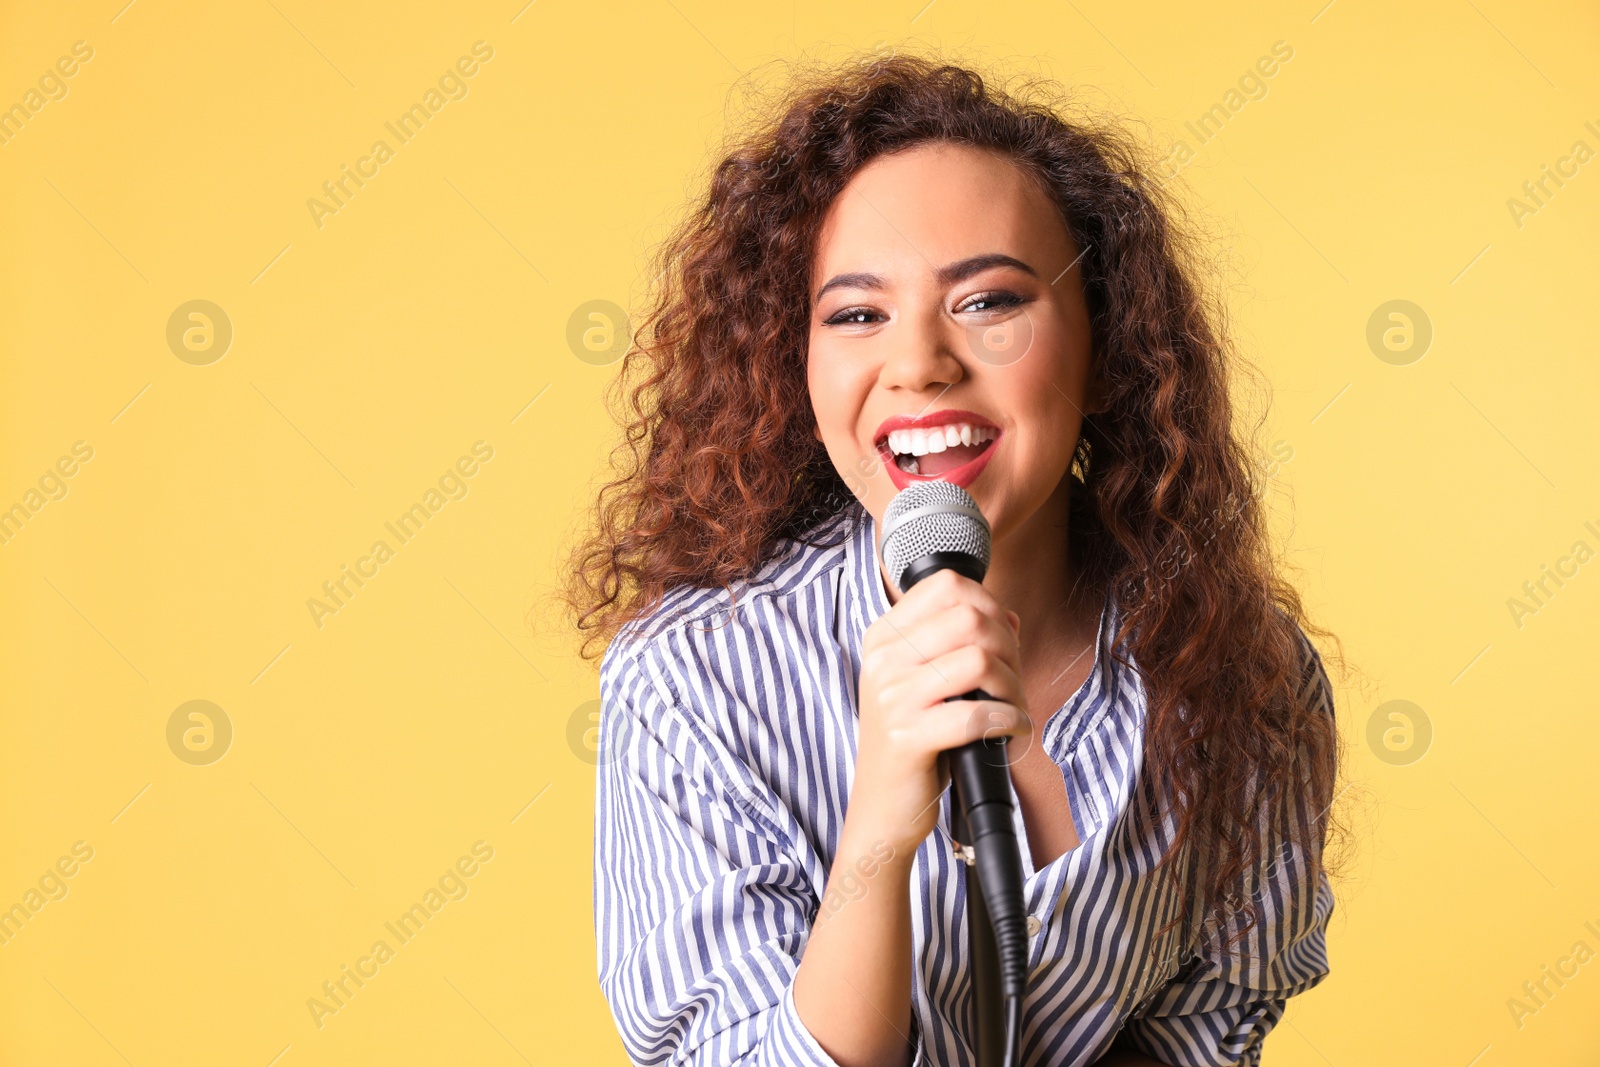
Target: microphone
[{"x": 930, "y": 527}]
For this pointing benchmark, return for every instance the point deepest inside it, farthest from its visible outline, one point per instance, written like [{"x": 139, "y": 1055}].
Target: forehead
[{"x": 935, "y": 204}]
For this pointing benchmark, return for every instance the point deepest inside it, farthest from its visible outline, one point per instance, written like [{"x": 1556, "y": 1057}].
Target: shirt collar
[{"x": 866, "y": 595}]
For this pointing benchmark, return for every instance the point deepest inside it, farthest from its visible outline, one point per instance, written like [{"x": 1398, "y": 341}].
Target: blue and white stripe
[{"x": 727, "y": 753}]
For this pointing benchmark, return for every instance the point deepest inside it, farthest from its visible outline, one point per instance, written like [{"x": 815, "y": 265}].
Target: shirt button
[{"x": 1034, "y": 925}]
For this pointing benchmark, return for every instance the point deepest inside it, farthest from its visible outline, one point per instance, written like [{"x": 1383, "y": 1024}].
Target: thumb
[{"x": 1015, "y": 620}]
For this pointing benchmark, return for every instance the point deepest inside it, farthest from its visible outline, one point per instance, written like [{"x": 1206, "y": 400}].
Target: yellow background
[{"x": 368, "y": 354}]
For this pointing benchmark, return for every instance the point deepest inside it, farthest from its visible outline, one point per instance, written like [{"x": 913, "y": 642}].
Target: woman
[{"x": 907, "y": 274}]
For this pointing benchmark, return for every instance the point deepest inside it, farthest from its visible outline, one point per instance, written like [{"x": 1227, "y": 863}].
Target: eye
[
  {"x": 856, "y": 316},
  {"x": 995, "y": 301}
]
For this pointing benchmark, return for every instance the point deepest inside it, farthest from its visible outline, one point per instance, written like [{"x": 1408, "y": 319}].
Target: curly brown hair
[{"x": 719, "y": 464}]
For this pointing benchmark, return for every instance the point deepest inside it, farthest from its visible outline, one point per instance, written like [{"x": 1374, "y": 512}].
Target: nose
[{"x": 921, "y": 353}]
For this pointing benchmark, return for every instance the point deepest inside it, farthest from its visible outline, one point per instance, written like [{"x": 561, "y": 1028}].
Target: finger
[
  {"x": 956, "y": 673},
  {"x": 941, "y": 590},
  {"x": 962, "y": 625},
  {"x": 961, "y": 722},
  {"x": 947, "y": 587},
  {"x": 959, "y": 592}
]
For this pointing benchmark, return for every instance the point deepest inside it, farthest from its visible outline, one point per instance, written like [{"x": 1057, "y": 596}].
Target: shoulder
[
  {"x": 1314, "y": 690},
  {"x": 688, "y": 632},
  {"x": 713, "y": 683}
]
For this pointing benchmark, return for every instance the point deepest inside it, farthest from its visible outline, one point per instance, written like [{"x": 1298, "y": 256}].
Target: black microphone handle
[
  {"x": 980, "y": 779},
  {"x": 981, "y": 775}
]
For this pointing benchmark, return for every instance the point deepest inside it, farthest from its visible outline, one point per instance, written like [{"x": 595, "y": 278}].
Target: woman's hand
[{"x": 946, "y": 636}]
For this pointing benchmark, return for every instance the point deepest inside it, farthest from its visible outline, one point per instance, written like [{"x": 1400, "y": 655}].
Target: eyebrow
[{"x": 948, "y": 275}]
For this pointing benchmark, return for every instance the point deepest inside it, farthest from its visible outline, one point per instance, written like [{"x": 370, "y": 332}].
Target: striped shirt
[{"x": 726, "y": 757}]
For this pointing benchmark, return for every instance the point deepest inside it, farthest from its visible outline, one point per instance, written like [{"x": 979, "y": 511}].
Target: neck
[{"x": 1032, "y": 573}]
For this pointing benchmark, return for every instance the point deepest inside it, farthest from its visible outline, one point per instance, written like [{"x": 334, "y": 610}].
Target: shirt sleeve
[
  {"x": 702, "y": 907},
  {"x": 1217, "y": 1010}
]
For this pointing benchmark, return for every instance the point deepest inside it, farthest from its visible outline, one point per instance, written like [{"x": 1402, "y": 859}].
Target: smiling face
[{"x": 948, "y": 325}]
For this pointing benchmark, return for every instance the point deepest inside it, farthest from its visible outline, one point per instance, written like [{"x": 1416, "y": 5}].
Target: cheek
[
  {"x": 839, "y": 383},
  {"x": 1054, "y": 377},
  {"x": 837, "y": 391},
  {"x": 816, "y": 377},
  {"x": 1044, "y": 398},
  {"x": 824, "y": 405}
]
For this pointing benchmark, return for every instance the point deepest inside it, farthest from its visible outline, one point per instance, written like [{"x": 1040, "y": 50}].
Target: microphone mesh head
[{"x": 927, "y": 517}]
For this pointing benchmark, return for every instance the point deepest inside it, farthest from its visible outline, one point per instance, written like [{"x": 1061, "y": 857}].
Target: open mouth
[
  {"x": 939, "y": 450},
  {"x": 950, "y": 445}
]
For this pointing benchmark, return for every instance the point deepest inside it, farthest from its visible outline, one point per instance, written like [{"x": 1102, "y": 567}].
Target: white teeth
[{"x": 920, "y": 442}]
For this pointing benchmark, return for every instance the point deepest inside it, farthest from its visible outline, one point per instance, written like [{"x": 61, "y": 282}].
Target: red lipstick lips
[{"x": 965, "y": 474}]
